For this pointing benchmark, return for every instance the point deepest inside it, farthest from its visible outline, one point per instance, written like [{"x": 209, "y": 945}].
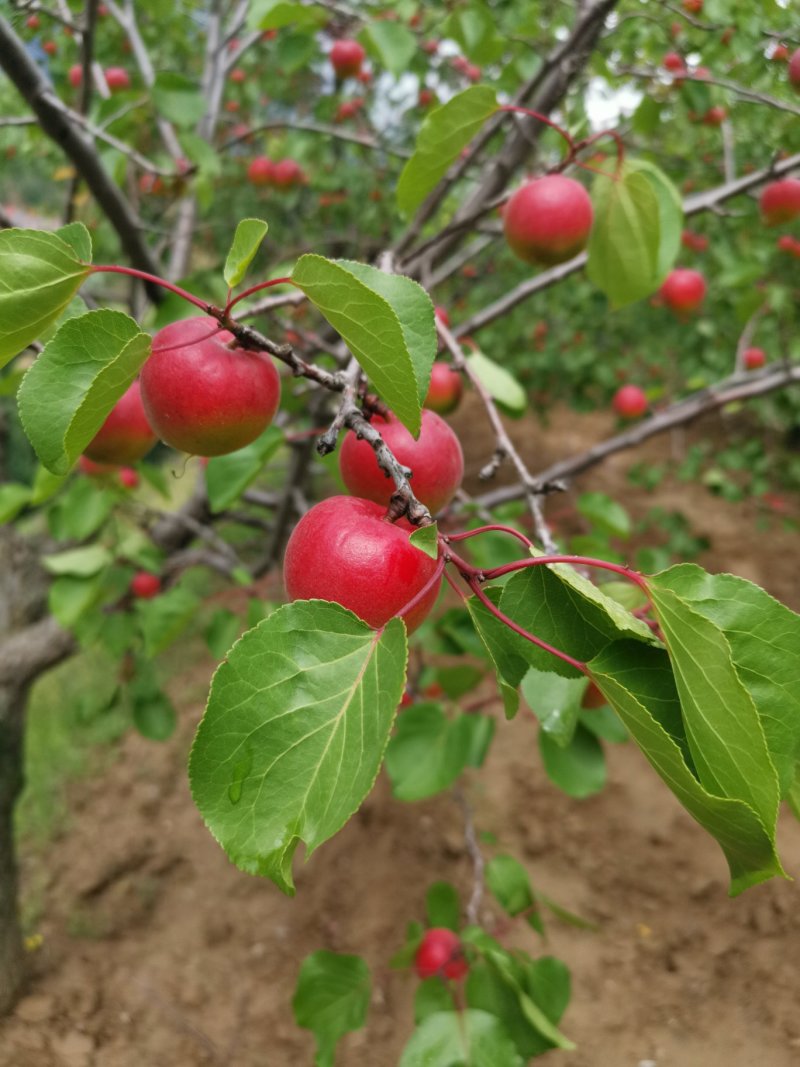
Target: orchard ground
[{"x": 156, "y": 950}]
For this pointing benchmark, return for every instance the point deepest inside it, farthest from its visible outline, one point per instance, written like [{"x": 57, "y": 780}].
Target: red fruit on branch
[
  {"x": 145, "y": 585},
  {"x": 128, "y": 477},
  {"x": 548, "y": 220},
  {"x": 445, "y": 389},
  {"x": 693, "y": 7},
  {"x": 260, "y": 171},
  {"x": 346, "y": 58},
  {"x": 126, "y": 435},
  {"x": 204, "y": 395},
  {"x": 435, "y": 459},
  {"x": 286, "y": 173},
  {"x": 117, "y": 78},
  {"x": 33, "y": 22},
  {"x": 443, "y": 316},
  {"x": 75, "y": 75},
  {"x": 794, "y": 69},
  {"x": 427, "y": 97},
  {"x": 94, "y": 470},
  {"x": 50, "y": 47},
  {"x": 754, "y": 358},
  {"x": 237, "y": 75},
  {"x": 780, "y": 53},
  {"x": 787, "y": 243},
  {"x": 440, "y": 954},
  {"x": 715, "y": 116},
  {"x": 674, "y": 63},
  {"x": 344, "y": 550},
  {"x": 684, "y": 290},
  {"x": 780, "y": 201},
  {"x": 630, "y": 402}
]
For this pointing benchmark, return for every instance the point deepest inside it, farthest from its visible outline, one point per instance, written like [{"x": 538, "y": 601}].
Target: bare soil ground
[{"x": 156, "y": 952}]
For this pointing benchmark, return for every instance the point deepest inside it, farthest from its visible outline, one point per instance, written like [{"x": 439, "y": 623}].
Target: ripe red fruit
[
  {"x": 548, "y": 220},
  {"x": 75, "y": 75},
  {"x": 145, "y": 585},
  {"x": 344, "y": 550},
  {"x": 126, "y": 435},
  {"x": 780, "y": 201},
  {"x": 50, "y": 47},
  {"x": 630, "y": 402},
  {"x": 430, "y": 48},
  {"x": 260, "y": 171},
  {"x": 128, "y": 477},
  {"x": 442, "y": 315},
  {"x": 94, "y": 470},
  {"x": 237, "y": 75},
  {"x": 693, "y": 7},
  {"x": 780, "y": 53},
  {"x": 435, "y": 459},
  {"x": 440, "y": 953},
  {"x": 346, "y": 58},
  {"x": 673, "y": 62},
  {"x": 203, "y": 396},
  {"x": 715, "y": 116},
  {"x": 794, "y": 69},
  {"x": 684, "y": 290},
  {"x": 427, "y": 97},
  {"x": 33, "y": 22},
  {"x": 754, "y": 358},
  {"x": 787, "y": 243},
  {"x": 445, "y": 390},
  {"x": 286, "y": 173},
  {"x": 117, "y": 78},
  {"x": 348, "y": 109}
]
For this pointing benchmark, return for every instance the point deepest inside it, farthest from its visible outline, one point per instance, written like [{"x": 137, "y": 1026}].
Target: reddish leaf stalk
[
  {"x": 155, "y": 280},
  {"x": 256, "y": 289},
  {"x": 498, "y": 527},
  {"x": 437, "y": 574}
]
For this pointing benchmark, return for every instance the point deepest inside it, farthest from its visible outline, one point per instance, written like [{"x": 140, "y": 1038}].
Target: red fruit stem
[
  {"x": 487, "y": 529},
  {"x": 596, "y": 137},
  {"x": 155, "y": 280},
  {"x": 547, "y": 122},
  {"x": 437, "y": 574},
  {"x": 454, "y": 586},
  {"x": 576, "y": 561},
  {"x": 256, "y": 289}
]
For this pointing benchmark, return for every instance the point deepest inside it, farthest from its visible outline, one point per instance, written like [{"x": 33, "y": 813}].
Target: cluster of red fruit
[
  {"x": 283, "y": 174},
  {"x": 117, "y": 78}
]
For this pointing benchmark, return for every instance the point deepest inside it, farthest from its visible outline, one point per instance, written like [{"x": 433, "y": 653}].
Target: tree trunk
[{"x": 12, "y": 956}]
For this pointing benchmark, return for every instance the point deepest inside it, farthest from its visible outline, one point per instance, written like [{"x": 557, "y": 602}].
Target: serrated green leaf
[
  {"x": 426, "y": 539},
  {"x": 670, "y": 216},
  {"x": 639, "y": 683},
  {"x": 445, "y": 132},
  {"x": 577, "y": 768},
  {"x": 80, "y": 510},
  {"x": 246, "y": 243},
  {"x": 431, "y": 996},
  {"x": 67, "y": 394},
  {"x": 604, "y": 513},
  {"x": 508, "y": 881},
  {"x": 501, "y": 386},
  {"x": 69, "y": 597},
  {"x": 39, "y": 275},
  {"x": 81, "y": 562},
  {"x": 443, "y": 907},
  {"x": 294, "y": 733},
  {"x": 165, "y": 617},
  {"x": 154, "y": 715},
  {"x": 275, "y": 14},
  {"x": 427, "y": 752},
  {"x": 624, "y": 245},
  {"x": 453, "y": 1039},
  {"x": 228, "y": 476},
  {"x": 78, "y": 238},
  {"x": 555, "y": 701},
  {"x": 387, "y": 322},
  {"x": 332, "y": 998},
  {"x": 178, "y": 98},
  {"x": 764, "y": 637},
  {"x": 723, "y": 729},
  {"x": 394, "y": 44},
  {"x": 222, "y": 631}
]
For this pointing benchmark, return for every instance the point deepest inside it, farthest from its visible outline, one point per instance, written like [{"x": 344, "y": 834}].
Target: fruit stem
[
  {"x": 145, "y": 277},
  {"x": 576, "y": 561},
  {"x": 488, "y": 529},
  {"x": 596, "y": 137},
  {"x": 547, "y": 122},
  {"x": 437, "y": 574},
  {"x": 256, "y": 289}
]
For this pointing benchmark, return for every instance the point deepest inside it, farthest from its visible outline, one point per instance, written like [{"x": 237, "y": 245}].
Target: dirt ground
[{"x": 156, "y": 952}]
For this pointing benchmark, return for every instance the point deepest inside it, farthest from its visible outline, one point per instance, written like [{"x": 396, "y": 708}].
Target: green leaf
[
  {"x": 79, "y": 240},
  {"x": 228, "y": 476},
  {"x": 723, "y": 729},
  {"x": 639, "y": 683},
  {"x": 296, "y": 726},
  {"x": 45, "y": 485},
  {"x": 178, "y": 98},
  {"x": 39, "y": 275},
  {"x": 80, "y": 510},
  {"x": 456, "y": 681},
  {"x": 443, "y": 907},
  {"x": 670, "y": 215},
  {"x": 427, "y": 752},
  {"x": 444, "y": 133},
  {"x": 624, "y": 246},
  {"x": 70, "y": 597},
  {"x": 331, "y": 999},
  {"x": 426, "y": 539},
  {"x": 222, "y": 631},
  {"x": 246, "y": 242},
  {"x": 579, "y": 768},
  {"x": 73, "y": 385},
  {"x": 153, "y": 712},
  {"x": 432, "y": 996},
  {"x": 507, "y": 650},
  {"x": 394, "y": 44},
  {"x": 605, "y": 514},
  {"x": 82, "y": 562},
  {"x": 13, "y": 498},
  {"x": 555, "y": 701},
  {"x": 455, "y": 1039},
  {"x": 508, "y": 881},
  {"x": 387, "y": 322},
  {"x": 764, "y": 638},
  {"x": 165, "y": 617},
  {"x": 275, "y": 14},
  {"x": 518, "y": 979},
  {"x": 500, "y": 385}
]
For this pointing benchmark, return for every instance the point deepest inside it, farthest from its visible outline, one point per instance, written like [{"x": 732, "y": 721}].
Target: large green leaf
[
  {"x": 296, "y": 726},
  {"x": 428, "y": 751},
  {"x": 40, "y": 273},
  {"x": 624, "y": 246},
  {"x": 332, "y": 998},
  {"x": 445, "y": 132},
  {"x": 246, "y": 242},
  {"x": 394, "y": 44},
  {"x": 578, "y": 768},
  {"x": 455, "y": 1039},
  {"x": 386, "y": 320},
  {"x": 670, "y": 215},
  {"x": 723, "y": 729},
  {"x": 639, "y": 683},
  {"x": 764, "y": 638},
  {"x": 228, "y": 476},
  {"x": 73, "y": 385}
]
